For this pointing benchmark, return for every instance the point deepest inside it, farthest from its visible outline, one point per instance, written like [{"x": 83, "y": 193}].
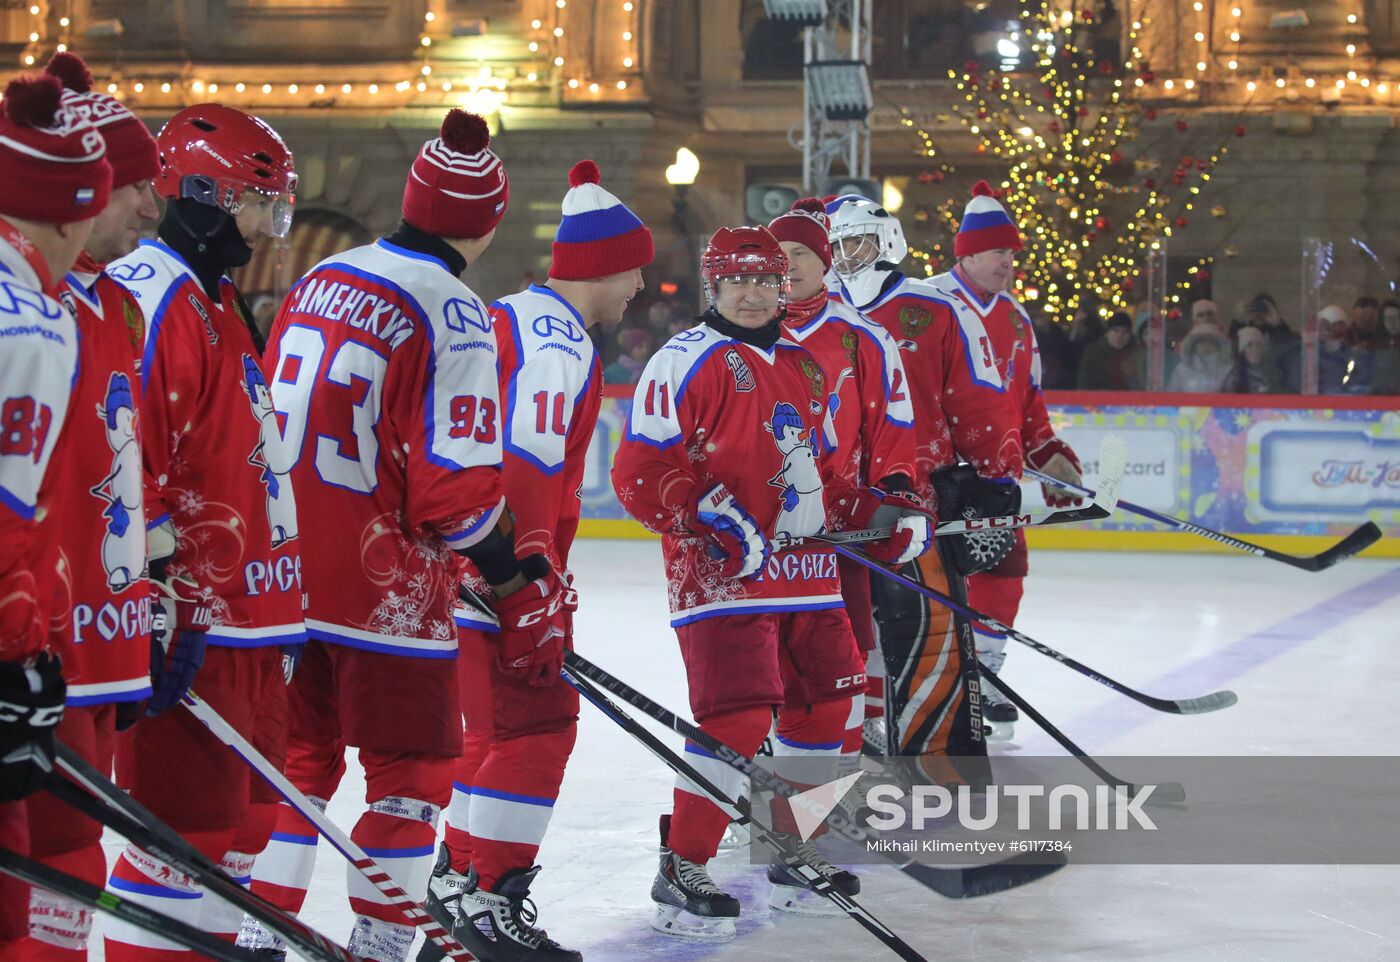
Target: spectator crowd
[{"x": 1260, "y": 353}]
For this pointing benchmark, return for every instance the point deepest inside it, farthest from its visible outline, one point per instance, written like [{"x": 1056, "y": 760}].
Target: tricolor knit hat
[
  {"x": 131, "y": 150},
  {"x": 598, "y": 235},
  {"x": 52, "y": 164},
  {"x": 985, "y": 225},
  {"x": 806, "y": 224},
  {"x": 457, "y": 187}
]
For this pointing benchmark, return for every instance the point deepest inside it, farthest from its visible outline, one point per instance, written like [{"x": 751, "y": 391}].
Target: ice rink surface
[{"x": 1315, "y": 659}]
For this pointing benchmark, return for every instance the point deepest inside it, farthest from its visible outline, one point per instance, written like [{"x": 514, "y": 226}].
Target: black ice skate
[
  {"x": 999, "y": 714},
  {"x": 791, "y": 893},
  {"x": 494, "y": 926},
  {"x": 688, "y": 903}
]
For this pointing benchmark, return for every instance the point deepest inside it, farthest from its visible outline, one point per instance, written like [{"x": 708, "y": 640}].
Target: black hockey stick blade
[
  {"x": 179, "y": 853},
  {"x": 61, "y": 883},
  {"x": 951, "y": 880},
  {"x": 1353, "y": 544}
]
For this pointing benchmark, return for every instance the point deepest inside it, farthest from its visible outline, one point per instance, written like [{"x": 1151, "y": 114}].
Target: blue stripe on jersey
[
  {"x": 639, "y": 396},
  {"x": 108, "y": 698},
  {"x": 466, "y": 534},
  {"x": 148, "y": 356},
  {"x": 597, "y": 225},
  {"x": 681, "y": 618},
  {"x": 157, "y": 521},
  {"x": 16, "y": 504},
  {"x": 984, "y": 305},
  {"x": 508, "y": 422},
  {"x": 885, "y": 377},
  {"x": 693, "y": 749},
  {"x": 261, "y": 641},
  {"x": 384, "y": 648}
]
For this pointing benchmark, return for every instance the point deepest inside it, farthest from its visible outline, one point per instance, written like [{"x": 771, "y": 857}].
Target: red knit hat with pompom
[
  {"x": 597, "y": 235},
  {"x": 131, "y": 150},
  {"x": 53, "y": 167},
  {"x": 457, "y": 187},
  {"x": 806, "y": 223}
]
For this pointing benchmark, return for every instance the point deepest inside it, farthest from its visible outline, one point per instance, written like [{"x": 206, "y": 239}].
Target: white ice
[{"x": 1315, "y": 669}]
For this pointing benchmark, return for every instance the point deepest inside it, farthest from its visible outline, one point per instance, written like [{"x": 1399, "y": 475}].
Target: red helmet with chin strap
[
  {"x": 212, "y": 154},
  {"x": 734, "y": 251}
]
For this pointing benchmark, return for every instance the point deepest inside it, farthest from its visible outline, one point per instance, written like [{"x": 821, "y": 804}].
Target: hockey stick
[
  {"x": 332, "y": 833},
  {"x": 1354, "y": 543},
  {"x": 1171, "y": 793},
  {"x": 127, "y": 817},
  {"x": 963, "y": 882},
  {"x": 61, "y": 883},
  {"x": 1215, "y": 701},
  {"x": 942, "y": 529},
  {"x": 738, "y": 809}
]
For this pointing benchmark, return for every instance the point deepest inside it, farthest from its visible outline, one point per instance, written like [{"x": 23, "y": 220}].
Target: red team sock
[
  {"x": 140, "y": 878},
  {"x": 511, "y": 799},
  {"x": 59, "y": 927},
  {"x": 405, "y": 793},
  {"x": 457, "y": 832},
  {"x": 697, "y": 824},
  {"x": 808, "y": 748}
]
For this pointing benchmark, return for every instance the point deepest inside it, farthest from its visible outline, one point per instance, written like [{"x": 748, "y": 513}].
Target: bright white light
[{"x": 1007, "y": 49}]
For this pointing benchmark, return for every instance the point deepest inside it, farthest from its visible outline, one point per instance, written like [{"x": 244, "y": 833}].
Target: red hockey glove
[
  {"x": 180, "y": 619},
  {"x": 532, "y": 635},
  {"x": 901, "y": 511},
  {"x": 733, "y": 533},
  {"x": 1057, "y": 459}
]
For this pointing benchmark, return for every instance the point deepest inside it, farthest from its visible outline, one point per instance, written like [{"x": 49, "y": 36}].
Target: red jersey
[
  {"x": 551, "y": 383},
  {"x": 710, "y": 409},
  {"x": 870, "y": 420},
  {"x": 38, "y": 363},
  {"x": 95, "y": 530},
  {"x": 968, "y": 358},
  {"x": 212, "y": 445},
  {"x": 384, "y": 375}
]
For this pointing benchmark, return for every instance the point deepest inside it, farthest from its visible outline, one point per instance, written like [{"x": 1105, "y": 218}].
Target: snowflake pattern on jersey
[{"x": 419, "y": 575}]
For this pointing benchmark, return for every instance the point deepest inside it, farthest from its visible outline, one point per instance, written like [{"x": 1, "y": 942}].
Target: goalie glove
[
  {"x": 180, "y": 620},
  {"x": 1057, "y": 459},
  {"x": 964, "y": 495},
  {"x": 31, "y": 706},
  {"x": 532, "y": 620},
  {"x": 734, "y": 535}
]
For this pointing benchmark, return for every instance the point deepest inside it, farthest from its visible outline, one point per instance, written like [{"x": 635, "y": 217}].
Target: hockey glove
[
  {"x": 179, "y": 623},
  {"x": 963, "y": 494},
  {"x": 532, "y": 635},
  {"x": 741, "y": 546},
  {"x": 31, "y": 706},
  {"x": 901, "y": 511},
  {"x": 1058, "y": 460}
]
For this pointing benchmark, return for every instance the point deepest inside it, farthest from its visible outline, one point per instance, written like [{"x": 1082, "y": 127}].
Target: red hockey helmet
[
  {"x": 211, "y": 153},
  {"x": 735, "y": 251}
]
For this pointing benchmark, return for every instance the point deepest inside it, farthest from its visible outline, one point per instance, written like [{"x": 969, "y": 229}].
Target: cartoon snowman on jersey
[
  {"x": 124, "y": 544},
  {"x": 803, "y": 512},
  {"x": 270, "y": 457}
]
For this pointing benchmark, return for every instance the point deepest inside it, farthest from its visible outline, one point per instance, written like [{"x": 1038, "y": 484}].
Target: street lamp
[{"x": 681, "y": 175}]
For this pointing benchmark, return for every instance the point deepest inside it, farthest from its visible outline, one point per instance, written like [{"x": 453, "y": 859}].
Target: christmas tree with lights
[{"x": 1059, "y": 137}]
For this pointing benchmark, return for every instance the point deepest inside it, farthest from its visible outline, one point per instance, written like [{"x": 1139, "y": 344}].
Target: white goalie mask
[{"x": 867, "y": 243}]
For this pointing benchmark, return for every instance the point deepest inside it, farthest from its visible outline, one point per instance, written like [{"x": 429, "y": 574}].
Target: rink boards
[{"x": 1290, "y": 473}]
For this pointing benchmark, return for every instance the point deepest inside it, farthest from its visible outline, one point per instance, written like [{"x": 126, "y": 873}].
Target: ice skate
[
  {"x": 736, "y": 836},
  {"x": 791, "y": 892},
  {"x": 494, "y": 926},
  {"x": 999, "y": 714},
  {"x": 874, "y": 738},
  {"x": 688, "y": 903}
]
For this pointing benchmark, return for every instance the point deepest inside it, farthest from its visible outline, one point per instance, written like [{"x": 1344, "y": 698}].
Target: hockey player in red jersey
[
  {"x": 520, "y": 730},
  {"x": 383, "y": 369},
  {"x": 723, "y": 454},
  {"x": 1001, "y": 427},
  {"x": 870, "y": 420},
  {"x": 222, "y": 577},
  {"x": 54, "y": 180},
  {"x": 94, "y": 531},
  {"x": 933, "y": 696}
]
